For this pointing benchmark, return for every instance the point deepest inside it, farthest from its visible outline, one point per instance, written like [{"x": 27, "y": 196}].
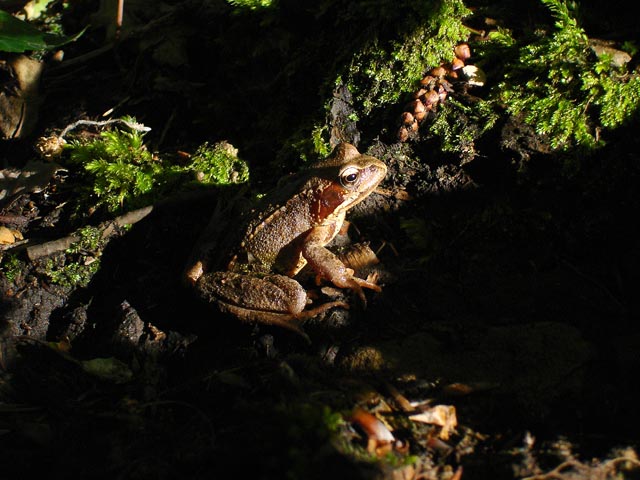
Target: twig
[
  {"x": 108, "y": 228},
  {"x": 400, "y": 399},
  {"x": 585, "y": 471},
  {"x": 557, "y": 472},
  {"x": 119, "y": 16},
  {"x": 133, "y": 125},
  {"x": 12, "y": 245},
  {"x": 45, "y": 249}
]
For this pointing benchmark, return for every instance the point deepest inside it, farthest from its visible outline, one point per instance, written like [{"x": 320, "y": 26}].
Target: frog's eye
[{"x": 349, "y": 177}]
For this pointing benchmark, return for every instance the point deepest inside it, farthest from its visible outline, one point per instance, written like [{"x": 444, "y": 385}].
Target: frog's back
[{"x": 274, "y": 233}]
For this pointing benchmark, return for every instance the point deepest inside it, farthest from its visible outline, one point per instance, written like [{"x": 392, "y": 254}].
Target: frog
[{"x": 251, "y": 275}]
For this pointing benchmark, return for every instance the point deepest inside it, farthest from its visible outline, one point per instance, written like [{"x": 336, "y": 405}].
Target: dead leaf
[
  {"x": 33, "y": 177},
  {"x": 19, "y": 96},
  {"x": 358, "y": 256},
  {"x": 441, "y": 415},
  {"x": 9, "y": 236},
  {"x": 379, "y": 437}
]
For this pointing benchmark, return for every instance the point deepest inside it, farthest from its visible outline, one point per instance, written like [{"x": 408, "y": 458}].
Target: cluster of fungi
[{"x": 434, "y": 88}]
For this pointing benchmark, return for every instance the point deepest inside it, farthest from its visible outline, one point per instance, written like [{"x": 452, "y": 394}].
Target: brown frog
[{"x": 289, "y": 231}]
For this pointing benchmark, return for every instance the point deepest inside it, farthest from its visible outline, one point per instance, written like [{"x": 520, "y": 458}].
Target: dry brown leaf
[
  {"x": 19, "y": 96},
  {"x": 379, "y": 437},
  {"x": 9, "y": 236},
  {"x": 33, "y": 177},
  {"x": 441, "y": 415}
]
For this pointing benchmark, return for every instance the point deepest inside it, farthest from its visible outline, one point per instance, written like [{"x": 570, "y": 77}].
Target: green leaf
[{"x": 18, "y": 36}]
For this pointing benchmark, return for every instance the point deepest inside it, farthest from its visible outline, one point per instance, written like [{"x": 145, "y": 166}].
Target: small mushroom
[
  {"x": 462, "y": 51},
  {"x": 422, "y": 115},
  {"x": 431, "y": 97},
  {"x": 446, "y": 85},
  {"x": 439, "y": 72},
  {"x": 359, "y": 256},
  {"x": 457, "y": 64},
  {"x": 419, "y": 93},
  {"x": 417, "y": 107},
  {"x": 419, "y": 110},
  {"x": 403, "y": 134},
  {"x": 427, "y": 80},
  {"x": 407, "y": 118},
  {"x": 442, "y": 93}
]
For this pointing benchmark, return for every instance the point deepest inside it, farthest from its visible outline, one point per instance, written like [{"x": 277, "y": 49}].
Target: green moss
[
  {"x": 80, "y": 262},
  {"x": 321, "y": 146},
  {"x": 562, "y": 88},
  {"x": 118, "y": 169},
  {"x": 71, "y": 274},
  {"x": 218, "y": 165},
  {"x": 309, "y": 429},
  {"x": 552, "y": 79},
  {"x": 250, "y": 4},
  {"x": 119, "y": 173},
  {"x": 390, "y": 66},
  {"x": 458, "y": 126},
  {"x": 90, "y": 241},
  {"x": 11, "y": 266}
]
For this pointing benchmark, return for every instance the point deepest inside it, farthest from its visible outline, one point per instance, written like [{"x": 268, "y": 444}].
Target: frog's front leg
[
  {"x": 272, "y": 299},
  {"x": 328, "y": 266}
]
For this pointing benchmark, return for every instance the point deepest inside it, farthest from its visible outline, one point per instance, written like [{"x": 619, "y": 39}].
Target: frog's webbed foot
[
  {"x": 357, "y": 284},
  {"x": 328, "y": 266}
]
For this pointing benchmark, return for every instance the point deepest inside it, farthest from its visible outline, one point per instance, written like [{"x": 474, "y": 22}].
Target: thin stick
[
  {"x": 108, "y": 228},
  {"x": 119, "y": 16},
  {"x": 133, "y": 125}
]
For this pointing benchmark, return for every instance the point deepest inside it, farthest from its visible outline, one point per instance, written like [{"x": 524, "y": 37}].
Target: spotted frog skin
[{"x": 290, "y": 230}]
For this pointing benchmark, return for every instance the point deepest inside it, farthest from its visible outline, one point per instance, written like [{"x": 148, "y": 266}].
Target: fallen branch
[{"x": 108, "y": 229}]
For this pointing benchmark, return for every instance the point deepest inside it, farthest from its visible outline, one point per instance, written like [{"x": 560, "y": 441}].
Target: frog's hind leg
[
  {"x": 272, "y": 299},
  {"x": 290, "y": 321}
]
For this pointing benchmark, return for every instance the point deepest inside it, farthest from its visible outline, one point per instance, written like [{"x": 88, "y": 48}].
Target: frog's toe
[
  {"x": 368, "y": 284},
  {"x": 314, "y": 312}
]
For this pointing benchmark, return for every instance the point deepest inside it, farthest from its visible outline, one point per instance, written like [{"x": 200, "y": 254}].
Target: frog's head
[{"x": 348, "y": 178}]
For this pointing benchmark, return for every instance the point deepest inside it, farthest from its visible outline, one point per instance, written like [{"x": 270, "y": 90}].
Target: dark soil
[{"x": 509, "y": 292}]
